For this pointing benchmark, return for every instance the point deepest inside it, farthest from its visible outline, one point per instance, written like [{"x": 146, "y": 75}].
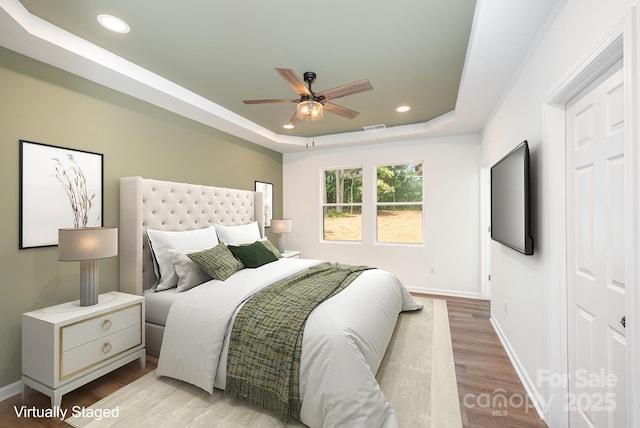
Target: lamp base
[
  {"x": 281, "y": 242},
  {"x": 89, "y": 282}
]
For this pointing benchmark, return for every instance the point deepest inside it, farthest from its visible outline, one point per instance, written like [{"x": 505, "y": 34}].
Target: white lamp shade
[
  {"x": 281, "y": 226},
  {"x": 87, "y": 243}
]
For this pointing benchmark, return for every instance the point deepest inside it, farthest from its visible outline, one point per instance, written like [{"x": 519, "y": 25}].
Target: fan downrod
[{"x": 309, "y": 77}]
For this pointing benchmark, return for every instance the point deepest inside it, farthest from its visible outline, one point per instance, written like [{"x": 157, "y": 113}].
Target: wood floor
[
  {"x": 84, "y": 396},
  {"x": 484, "y": 373}
]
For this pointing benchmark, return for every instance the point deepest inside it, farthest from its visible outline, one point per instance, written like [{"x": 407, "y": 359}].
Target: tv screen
[{"x": 510, "y": 219}]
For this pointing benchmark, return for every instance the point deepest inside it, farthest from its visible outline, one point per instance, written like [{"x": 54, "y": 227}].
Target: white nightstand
[
  {"x": 291, "y": 254},
  {"x": 66, "y": 346}
]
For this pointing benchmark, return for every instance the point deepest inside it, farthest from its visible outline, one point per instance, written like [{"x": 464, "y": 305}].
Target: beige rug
[{"x": 417, "y": 376}]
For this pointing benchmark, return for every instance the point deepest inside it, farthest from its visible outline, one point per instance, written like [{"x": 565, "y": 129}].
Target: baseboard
[
  {"x": 529, "y": 385},
  {"x": 9, "y": 391},
  {"x": 438, "y": 292}
]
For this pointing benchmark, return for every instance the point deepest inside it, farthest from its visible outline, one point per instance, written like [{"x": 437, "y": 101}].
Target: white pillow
[
  {"x": 189, "y": 273},
  {"x": 161, "y": 241},
  {"x": 238, "y": 235}
]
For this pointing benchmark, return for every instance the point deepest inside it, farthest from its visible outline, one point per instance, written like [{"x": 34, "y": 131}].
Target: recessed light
[
  {"x": 403, "y": 109},
  {"x": 288, "y": 126},
  {"x": 113, "y": 23}
]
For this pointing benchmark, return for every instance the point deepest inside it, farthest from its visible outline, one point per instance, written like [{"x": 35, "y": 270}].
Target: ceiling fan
[{"x": 312, "y": 104}]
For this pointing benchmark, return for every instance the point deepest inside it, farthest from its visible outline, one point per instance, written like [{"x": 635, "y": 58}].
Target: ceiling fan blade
[
  {"x": 294, "y": 119},
  {"x": 293, "y": 80},
  {"x": 289, "y": 100},
  {"x": 348, "y": 89},
  {"x": 341, "y": 111}
]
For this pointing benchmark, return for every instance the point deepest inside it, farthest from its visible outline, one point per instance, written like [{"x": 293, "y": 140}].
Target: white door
[{"x": 596, "y": 255}]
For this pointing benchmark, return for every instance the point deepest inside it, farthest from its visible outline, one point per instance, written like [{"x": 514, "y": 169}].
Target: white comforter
[{"x": 344, "y": 341}]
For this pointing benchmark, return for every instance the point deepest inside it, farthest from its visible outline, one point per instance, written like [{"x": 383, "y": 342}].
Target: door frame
[
  {"x": 485, "y": 231},
  {"x": 621, "y": 44}
]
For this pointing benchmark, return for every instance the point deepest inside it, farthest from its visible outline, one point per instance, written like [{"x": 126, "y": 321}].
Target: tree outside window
[
  {"x": 399, "y": 204},
  {"x": 342, "y": 204}
]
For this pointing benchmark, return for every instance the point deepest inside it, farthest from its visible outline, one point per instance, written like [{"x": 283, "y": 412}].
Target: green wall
[{"x": 43, "y": 104}]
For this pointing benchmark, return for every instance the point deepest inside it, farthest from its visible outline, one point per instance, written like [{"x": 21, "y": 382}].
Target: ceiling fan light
[{"x": 309, "y": 110}]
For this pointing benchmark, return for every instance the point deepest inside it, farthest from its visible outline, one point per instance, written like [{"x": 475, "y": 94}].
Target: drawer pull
[
  {"x": 106, "y": 348},
  {"x": 106, "y": 324}
]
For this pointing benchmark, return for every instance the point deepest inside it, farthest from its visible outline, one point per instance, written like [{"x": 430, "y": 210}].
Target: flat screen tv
[{"x": 510, "y": 218}]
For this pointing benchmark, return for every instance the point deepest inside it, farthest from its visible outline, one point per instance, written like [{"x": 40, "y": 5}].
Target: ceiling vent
[{"x": 372, "y": 127}]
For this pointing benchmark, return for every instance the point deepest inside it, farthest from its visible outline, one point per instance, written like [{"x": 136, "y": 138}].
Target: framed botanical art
[
  {"x": 267, "y": 191},
  {"x": 59, "y": 188}
]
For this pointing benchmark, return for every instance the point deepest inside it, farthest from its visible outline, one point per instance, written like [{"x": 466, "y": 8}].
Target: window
[
  {"x": 342, "y": 205},
  {"x": 399, "y": 203}
]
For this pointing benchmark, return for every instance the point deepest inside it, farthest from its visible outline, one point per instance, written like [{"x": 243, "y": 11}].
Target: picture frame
[
  {"x": 59, "y": 188},
  {"x": 267, "y": 191}
]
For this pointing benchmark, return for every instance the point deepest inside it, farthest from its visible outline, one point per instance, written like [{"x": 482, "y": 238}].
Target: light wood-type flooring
[{"x": 484, "y": 373}]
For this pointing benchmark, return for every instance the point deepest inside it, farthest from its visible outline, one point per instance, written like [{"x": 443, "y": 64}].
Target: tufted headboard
[{"x": 164, "y": 205}]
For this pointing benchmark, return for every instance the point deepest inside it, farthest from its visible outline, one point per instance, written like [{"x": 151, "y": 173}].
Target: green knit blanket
[{"x": 263, "y": 364}]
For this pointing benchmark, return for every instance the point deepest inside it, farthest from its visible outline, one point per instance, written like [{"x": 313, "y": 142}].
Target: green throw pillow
[
  {"x": 253, "y": 255},
  {"x": 271, "y": 247},
  {"x": 218, "y": 262}
]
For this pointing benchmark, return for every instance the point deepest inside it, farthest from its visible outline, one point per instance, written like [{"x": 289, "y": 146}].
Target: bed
[{"x": 344, "y": 339}]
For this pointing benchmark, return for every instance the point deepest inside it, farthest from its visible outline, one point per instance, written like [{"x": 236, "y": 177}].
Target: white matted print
[
  {"x": 267, "y": 192},
  {"x": 59, "y": 187}
]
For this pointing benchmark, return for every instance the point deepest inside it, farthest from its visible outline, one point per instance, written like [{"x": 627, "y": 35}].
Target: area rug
[{"x": 417, "y": 375}]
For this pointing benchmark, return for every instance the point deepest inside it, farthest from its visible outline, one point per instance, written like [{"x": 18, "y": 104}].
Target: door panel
[
  {"x": 616, "y": 223},
  {"x": 584, "y": 222},
  {"x": 616, "y": 349}
]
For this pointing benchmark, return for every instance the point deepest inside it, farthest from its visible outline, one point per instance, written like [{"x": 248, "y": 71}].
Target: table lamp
[
  {"x": 280, "y": 227},
  {"x": 87, "y": 245}
]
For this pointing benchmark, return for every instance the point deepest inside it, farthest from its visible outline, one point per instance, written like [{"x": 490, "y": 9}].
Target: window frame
[
  {"x": 324, "y": 205},
  {"x": 377, "y": 204}
]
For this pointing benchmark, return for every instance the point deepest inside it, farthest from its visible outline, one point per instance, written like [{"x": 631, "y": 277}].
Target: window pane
[
  {"x": 400, "y": 183},
  {"x": 399, "y": 224},
  {"x": 343, "y": 186},
  {"x": 342, "y": 223}
]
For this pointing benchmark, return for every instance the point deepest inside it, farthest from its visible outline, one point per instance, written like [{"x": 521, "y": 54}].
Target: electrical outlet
[{"x": 506, "y": 304}]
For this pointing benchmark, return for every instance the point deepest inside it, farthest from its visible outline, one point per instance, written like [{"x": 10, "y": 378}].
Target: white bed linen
[
  {"x": 158, "y": 303},
  {"x": 344, "y": 341}
]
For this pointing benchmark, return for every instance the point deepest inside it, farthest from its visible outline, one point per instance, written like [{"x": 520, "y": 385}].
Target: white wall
[
  {"x": 528, "y": 283},
  {"x": 451, "y": 176}
]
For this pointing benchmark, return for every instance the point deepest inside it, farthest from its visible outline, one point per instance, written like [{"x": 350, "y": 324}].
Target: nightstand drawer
[
  {"x": 83, "y": 332},
  {"x": 92, "y": 353}
]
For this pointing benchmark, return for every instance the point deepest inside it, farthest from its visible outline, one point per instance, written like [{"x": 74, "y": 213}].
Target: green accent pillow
[
  {"x": 253, "y": 255},
  {"x": 271, "y": 247},
  {"x": 218, "y": 262}
]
